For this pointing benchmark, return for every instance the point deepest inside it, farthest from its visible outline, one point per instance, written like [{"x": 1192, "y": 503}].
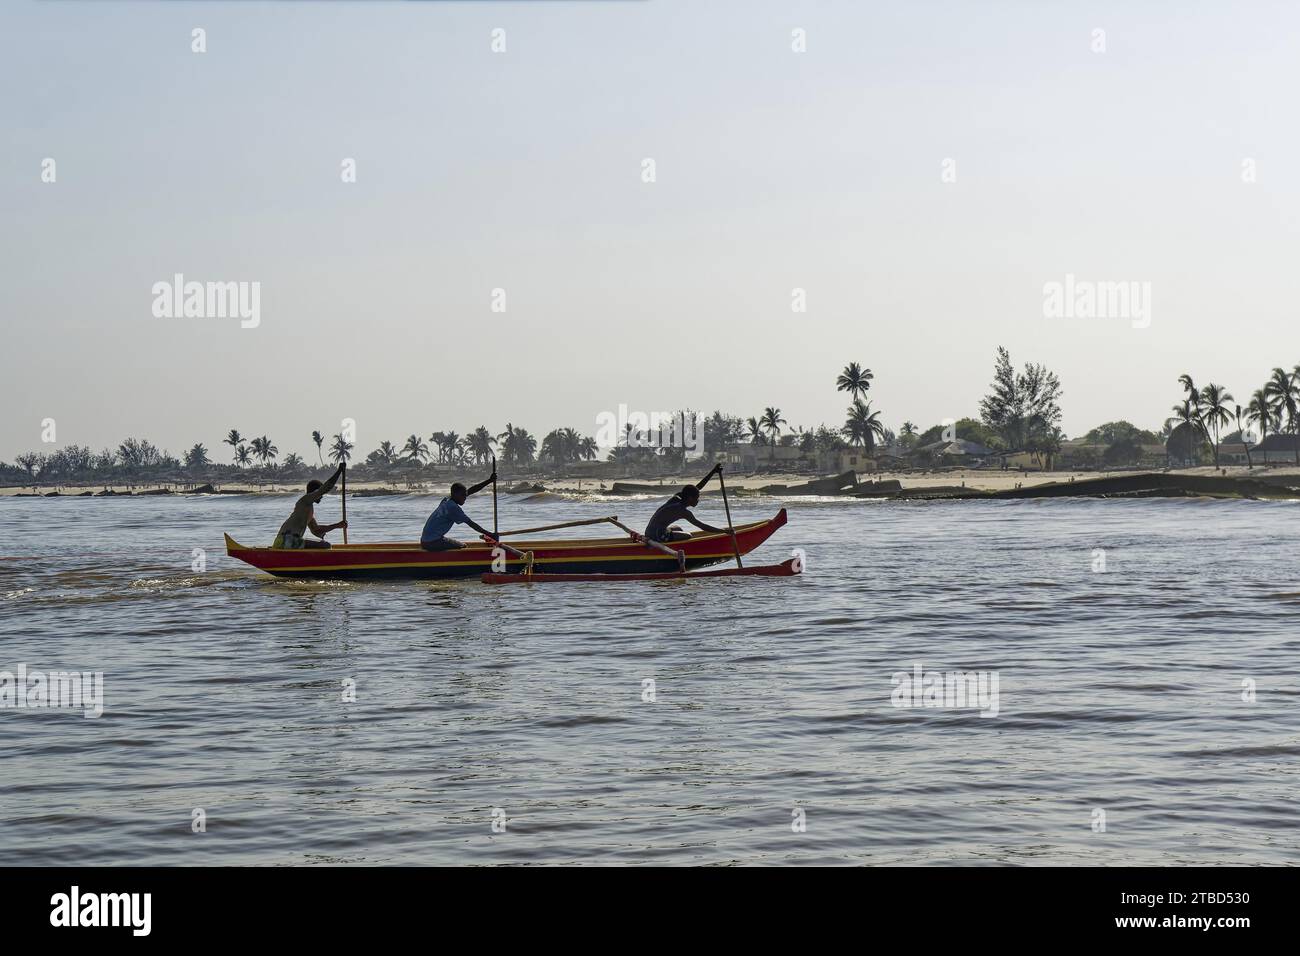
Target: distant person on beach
[
  {"x": 304, "y": 517},
  {"x": 449, "y": 512},
  {"x": 677, "y": 508}
]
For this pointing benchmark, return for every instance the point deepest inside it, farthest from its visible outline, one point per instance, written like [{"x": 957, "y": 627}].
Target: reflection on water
[{"x": 1127, "y": 691}]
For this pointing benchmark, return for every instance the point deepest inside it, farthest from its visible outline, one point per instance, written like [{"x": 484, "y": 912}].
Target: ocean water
[{"x": 1146, "y": 653}]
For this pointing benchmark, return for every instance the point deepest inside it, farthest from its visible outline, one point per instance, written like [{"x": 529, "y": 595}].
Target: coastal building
[
  {"x": 847, "y": 459},
  {"x": 749, "y": 457},
  {"x": 1275, "y": 449},
  {"x": 959, "y": 451}
]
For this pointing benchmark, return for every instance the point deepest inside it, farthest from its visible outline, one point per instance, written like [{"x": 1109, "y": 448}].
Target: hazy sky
[{"x": 522, "y": 170}]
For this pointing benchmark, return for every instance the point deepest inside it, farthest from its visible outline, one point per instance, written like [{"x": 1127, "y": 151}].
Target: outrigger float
[{"x": 574, "y": 559}]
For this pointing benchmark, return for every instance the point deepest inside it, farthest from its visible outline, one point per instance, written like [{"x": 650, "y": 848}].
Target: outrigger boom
[{"x": 786, "y": 569}]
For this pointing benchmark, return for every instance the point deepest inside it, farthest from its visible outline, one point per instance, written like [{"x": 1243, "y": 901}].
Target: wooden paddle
[
  {"x": 495, "y": 533},
  {"x": 553, "y": 527},
  {"x": 735, "y": 545},
  {"x": 343, "y": 496}
]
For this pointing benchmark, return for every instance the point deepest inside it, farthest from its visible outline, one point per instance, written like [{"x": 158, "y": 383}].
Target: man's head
[
  {"x": 458, "y": 493},
  {"x": 690, "y": 495},
  {"x": 313, "y": 485}
]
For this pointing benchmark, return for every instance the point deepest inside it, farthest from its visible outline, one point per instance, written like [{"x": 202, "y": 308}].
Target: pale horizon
[{"x": 522, "y": 170}]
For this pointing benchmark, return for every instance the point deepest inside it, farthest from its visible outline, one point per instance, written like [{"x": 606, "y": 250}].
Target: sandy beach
[{"x": 975, "y": 479}]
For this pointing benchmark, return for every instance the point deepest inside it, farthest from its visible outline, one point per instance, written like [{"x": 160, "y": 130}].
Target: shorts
[{"x": 442, "y": 544}]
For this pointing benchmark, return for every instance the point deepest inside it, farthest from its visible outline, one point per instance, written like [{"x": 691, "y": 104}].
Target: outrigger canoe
[{"x": 408, "y": 561}]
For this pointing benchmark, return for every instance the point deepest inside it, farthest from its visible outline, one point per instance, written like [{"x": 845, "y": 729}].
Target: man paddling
[
  {"x": 304, "y": 517},
  {"x": 449, "y": 512},
  {"x": 677, "y": 508}
]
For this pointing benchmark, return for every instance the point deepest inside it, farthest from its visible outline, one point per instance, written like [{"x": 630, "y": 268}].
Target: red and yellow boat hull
[{"x": 408, "y": 561}]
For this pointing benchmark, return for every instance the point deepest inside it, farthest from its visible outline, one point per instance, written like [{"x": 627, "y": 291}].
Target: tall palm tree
[
  {"x": 319, "y": 440},
  {"x": 754, "y": 431},
  {"x": 1215, "y": 414},
  {"x": 242, "y": 457},
  {"x": 1190, "y": 391},
  {"x": 415, "y": 449},
  {"x": 587, "y": 448},
  {"x": 1284, "y": 395},
  {"x": 340, "y": 449},
  {"x": 1259, "y": 412},
  {"x": 1239, "y": 416},
  {"x": 772, "y": 422},
  {"x": 855, "y": 380},
  {"x": 233, "y": 439}
]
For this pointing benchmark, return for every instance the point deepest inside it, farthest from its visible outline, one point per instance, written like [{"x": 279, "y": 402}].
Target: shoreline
[{"x": 1237, "y": 481}]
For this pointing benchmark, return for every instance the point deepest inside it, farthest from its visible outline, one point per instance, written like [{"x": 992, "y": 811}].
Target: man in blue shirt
[{"x": 448, "y": 513}]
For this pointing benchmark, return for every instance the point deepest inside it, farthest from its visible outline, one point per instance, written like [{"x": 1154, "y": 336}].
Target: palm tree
[
  {"x": 1214, "y": 401},
  {"x": 553, "y": 447},
  {"x": 1239, "y": 416},
  {"x": 292, "y": 462},
  {"x": 263, "y": 450},
  {"x": 1185, "y": 416},
  {"x": 863, "y": 425},
  {"x": 854, "y": 379},
  {"x": 415, "y": 449},
  {"x": 319, "y": 440},
  {"x": 1189, "y": 390},
  {"x": 1260, "y": 412},
  {"x": 517, "y": 445},
  {"x": 242, "y": 457},
  {"x": 1284, "y": 396},
  {"x": 480, "y": 444},
  {"x": 340, "y": 450},
  {"x": 588, "y": 449},
  {"x": 233, "y": 439},
  {"x": 772, "y": 422},
  {"x": 451, "y": 443},
  {"x": 196, "y": 457},
  {"x": 439, "y": 442}
]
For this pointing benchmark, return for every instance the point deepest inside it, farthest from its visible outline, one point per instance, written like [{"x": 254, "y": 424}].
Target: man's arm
[
  {"x": 474, "y": 489},
  {"x": 320, "y": 530},
  {"x": 701, "y": 525},
  {"x": 481, "y": 530},
  {"x": 717, "y": 470},
  {"x": 316, "y": 496}
]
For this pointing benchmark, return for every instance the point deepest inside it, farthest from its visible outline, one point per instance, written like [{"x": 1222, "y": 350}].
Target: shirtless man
[
  {"x": 677, "y": 508},
  {"x": 304, "y": 517}
]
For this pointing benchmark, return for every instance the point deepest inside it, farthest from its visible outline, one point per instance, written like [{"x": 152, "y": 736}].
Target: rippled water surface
[{"x": 1119, "y": 691}]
